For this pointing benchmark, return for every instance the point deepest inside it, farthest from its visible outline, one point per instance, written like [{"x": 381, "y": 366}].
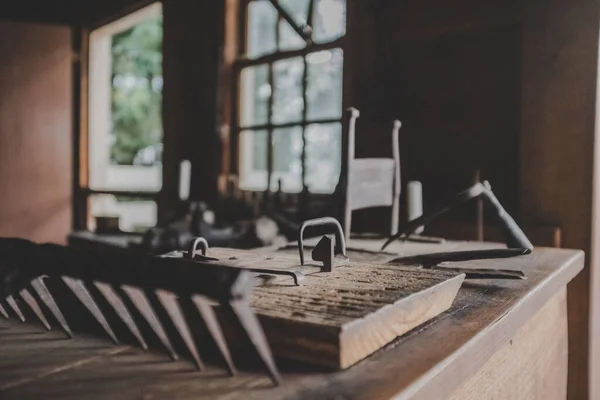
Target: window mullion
[
  {"x": 304, "y": 107},
  {"x": 270, "y": 136}
]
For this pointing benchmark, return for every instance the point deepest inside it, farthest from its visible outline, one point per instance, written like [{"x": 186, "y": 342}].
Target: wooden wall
[
  {"x": 47, "y": 11},
  {"x": 451, "y": 72},
  {"x": 191, "y": 69},
  {"x": 557, "y": 143},
  {"x": 35, "y": 131}
]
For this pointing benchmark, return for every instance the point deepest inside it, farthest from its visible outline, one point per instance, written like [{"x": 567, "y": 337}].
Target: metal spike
[
  {"x": 252, "y": 327},
  {"x": 13, "y": 304},
  {"x": 169, "y": 302},
  {"x": 214, "y": 328},
  {"x": 140, "y": 301},
  {"x": 79, "y": 289},
  {"x": 117, "y": 304},
  {"x": 44, "y": 294},
  {"x": 3, "y": 312},
  {"x": 28, "y": 298}
]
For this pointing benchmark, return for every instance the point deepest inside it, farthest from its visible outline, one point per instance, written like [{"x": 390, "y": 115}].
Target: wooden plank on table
[{"x": 338, "y": 318}]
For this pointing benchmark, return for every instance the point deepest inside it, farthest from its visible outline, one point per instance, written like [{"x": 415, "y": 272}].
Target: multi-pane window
[{"x": 290, "y": 105}]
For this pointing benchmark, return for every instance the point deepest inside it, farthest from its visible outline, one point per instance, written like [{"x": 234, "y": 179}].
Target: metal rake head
[{"x": 24, "y": 266}]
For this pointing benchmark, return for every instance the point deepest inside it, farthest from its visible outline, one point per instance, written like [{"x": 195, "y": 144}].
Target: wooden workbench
[{"x": 506, "y": 339}]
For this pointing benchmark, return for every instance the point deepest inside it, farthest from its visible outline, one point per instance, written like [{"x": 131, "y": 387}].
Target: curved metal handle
[
  {"x": 339, "y": 235},
  {"x": 193, "y": 247}
]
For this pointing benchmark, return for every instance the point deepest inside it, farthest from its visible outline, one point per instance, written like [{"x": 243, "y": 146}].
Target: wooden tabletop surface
[{"x": 435, "y": 358}]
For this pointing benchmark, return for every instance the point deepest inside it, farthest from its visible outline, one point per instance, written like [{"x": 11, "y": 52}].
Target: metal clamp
[
  {"x": 328, "y": 247},
  {"x": 192, "y": 253}
]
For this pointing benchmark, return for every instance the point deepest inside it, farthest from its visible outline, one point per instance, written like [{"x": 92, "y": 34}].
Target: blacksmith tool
[{"x": 24, "y": 265}]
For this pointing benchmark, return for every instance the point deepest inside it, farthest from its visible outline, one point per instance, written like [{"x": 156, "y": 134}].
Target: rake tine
[
  {"x": 117, "y": 304},
  {"x": 28, "y": 298},
  {"x": 214, "y": 329},
  {"x": 44, "y": 294},
  {"x": 13, "y": 304},
  {"x": 252, "y": 327},
  {"x": 79, "y": 289},
  {"x": 3, "y": 312},
  {"x": 169, "y": 302},
  {"x": 140, "y": 301}
]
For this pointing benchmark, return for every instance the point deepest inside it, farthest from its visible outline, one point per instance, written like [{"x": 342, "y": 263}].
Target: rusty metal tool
[
  {"x": 433, "y": 261},
  {"x": 170, "y": 278},
  {"x": 515, "y": 237},
  {"x": 331, "y": 249}
]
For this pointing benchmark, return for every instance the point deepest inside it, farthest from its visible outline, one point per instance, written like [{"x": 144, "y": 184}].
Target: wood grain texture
[
  {"x": 559, "y": 80},
  {"x": 440, "y": 357},
  {"x": 35, "y": 131},
  {"x": 336, "y": 319},
  {"x": 530, "y": 365}
]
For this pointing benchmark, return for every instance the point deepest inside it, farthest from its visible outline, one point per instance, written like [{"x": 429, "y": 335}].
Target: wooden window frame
[
  {"x": 241, "y": 62},
  {"x": 81, "y": 78}
]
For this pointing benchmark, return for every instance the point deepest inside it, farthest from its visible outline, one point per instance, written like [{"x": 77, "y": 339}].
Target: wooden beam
[{"x": 559, "y": 72}]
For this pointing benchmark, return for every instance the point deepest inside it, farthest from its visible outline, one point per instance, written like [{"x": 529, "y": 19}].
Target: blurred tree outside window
[
  {"x": 136, "y": 98},
  {"x": 125, "y": 131}
]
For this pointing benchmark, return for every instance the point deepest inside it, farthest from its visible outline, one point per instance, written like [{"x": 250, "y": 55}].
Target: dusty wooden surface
[
  {"x": 531, "y": 365},
  {"x": 437, "y": 358},
  {"x": 559, "y": 141}
]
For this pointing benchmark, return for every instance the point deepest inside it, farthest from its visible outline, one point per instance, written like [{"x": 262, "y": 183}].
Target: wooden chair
[{"x": 369, "y": 182}]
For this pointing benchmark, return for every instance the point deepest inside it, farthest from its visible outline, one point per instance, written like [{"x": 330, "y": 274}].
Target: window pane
[
  {"x": 255, "y": 93},
  {"x": 287, "y": 163},
  {"x": 323, "y": 156},
  {"x": 287, "y": 100},
  {"x": 253, "y": 160},
  {"x": 324, "y": 86},
  {"x": 135, "y": 215},
  {"x": 288, "y": 38},
  {"x": 298, "y": 9},
  {"x": 125, "y": 104},
  {"x": 262, "y": 18},
  {"x": 329, "y": 20}
]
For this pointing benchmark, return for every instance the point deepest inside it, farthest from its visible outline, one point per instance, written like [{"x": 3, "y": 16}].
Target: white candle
[
  {"x": 185, "y": 176},
  {"x": 414, "y": 201}
]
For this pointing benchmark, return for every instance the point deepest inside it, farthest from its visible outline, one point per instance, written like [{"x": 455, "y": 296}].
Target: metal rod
[
  {"x": 287, "y": 124},
  {"x": 304, "y": 31},
  {"x": 214, "y": 329},
  {"x": 140, "y": 301},
  {"x": 78, "y": 288},
  {"x": 35, "y": 307},
  {"x": 121, "y": 309},
  {"x": 252, "y": 328},
  {"x": 15, "y": 307},
  {"x": 44, "y": 294},
  {"x": 169, "y": 302},
  {"x": 282, "y": 55},
  {"x": 304, "y": 113}
]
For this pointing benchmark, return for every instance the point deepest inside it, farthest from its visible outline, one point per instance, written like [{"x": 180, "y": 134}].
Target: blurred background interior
[{"x": 122, "y": 121}]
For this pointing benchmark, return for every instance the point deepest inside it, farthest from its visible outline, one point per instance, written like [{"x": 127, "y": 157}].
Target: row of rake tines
[{"x": 240, "y": 308}]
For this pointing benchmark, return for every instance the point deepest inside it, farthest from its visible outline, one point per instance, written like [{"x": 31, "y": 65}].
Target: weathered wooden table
[{"x": 506, "y": 339}]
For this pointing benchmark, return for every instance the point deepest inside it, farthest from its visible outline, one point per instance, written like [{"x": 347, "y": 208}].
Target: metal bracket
[{"x": 331, "y": 250}]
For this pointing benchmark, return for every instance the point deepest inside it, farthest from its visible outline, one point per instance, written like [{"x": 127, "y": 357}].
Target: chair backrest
[{"x": 370, "y": 182}]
